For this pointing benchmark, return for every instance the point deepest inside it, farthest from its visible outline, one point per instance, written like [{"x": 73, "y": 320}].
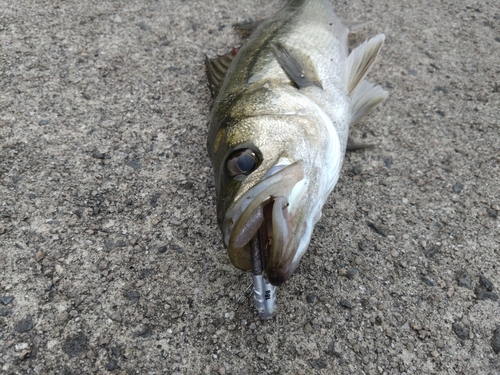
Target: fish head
[{"x": 270, "y": 182}]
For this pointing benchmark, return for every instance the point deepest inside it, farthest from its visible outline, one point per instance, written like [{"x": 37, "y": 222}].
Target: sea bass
[{"x": 279, "y": 131}]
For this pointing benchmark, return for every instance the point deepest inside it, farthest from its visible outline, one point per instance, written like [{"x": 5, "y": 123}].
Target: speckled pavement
[{"x": 110, "y": 256}]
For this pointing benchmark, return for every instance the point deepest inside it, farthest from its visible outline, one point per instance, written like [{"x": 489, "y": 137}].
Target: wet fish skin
[{"x": 297, "y": 133}]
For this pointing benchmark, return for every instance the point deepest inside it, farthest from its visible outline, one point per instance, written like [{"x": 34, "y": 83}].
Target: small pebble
[
  {"x": 75, "y": 345},
  {"x": 112, "y": 365},
  {"x": 458, "y": 187},
  {"x": 24, "y": 325},
  {"x": 62, "y": 317},
  {"x": 24, "y": 353},
  {"x": 4, "y": 311},
  {"x": 352, "y": 272},
  {"x": 72, "y": 221},
  {"x": 103, "y": 265},
  {"x": 308, "y": 328},
  {"x": 345, "y": 303},
  {"x": 127, "y": 353},
  {"x": 211, "y": 328},
  {"x": 331, "y": 348},
  {"x": 310, "y": 298},
  {"x": 6, "y": 299},
  {"x": 483, "y": 294},
  {"x": 132, "y": 296},
  {"x": 464, "y": 279},
  {"x": 416, "y": 326},
  {"x": 488, "y": 285},
  {"x": 116, "y": 316},
  {"x": 98, "y": 155},
  {"x": 318, "y": 364},
  {"x": 495, "y": 341},
  {"x": 427, "y": 281},
  {"x": 357, "y": 170},
  {"x": 461, "y": 331},
  {"x": 492, "y": 213},
  {"x": 21, "y": 346}
]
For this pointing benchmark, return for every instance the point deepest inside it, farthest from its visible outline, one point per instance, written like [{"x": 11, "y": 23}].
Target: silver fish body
[{"x": 279, "y": 130}]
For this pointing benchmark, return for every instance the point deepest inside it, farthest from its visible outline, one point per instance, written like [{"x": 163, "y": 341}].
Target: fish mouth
[{"x": 267, "y": 213}]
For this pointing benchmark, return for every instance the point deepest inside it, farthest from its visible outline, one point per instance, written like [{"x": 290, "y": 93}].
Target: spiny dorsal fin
[
  {"x": 365, "y": 97},
  {"x": 297, "y": 66},
  {"x": 361, "y": 60},
  {"x": 216, "y": 70}
]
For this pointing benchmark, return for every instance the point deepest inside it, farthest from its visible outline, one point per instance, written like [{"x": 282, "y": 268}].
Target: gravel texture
[{"x": 111, "y": 260}]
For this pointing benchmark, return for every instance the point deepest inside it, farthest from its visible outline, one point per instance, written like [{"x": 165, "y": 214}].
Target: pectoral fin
[{"x": 297, "y": 66}]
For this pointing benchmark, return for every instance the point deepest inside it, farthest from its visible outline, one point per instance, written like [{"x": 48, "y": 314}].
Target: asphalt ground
[{"x": 110, "y": 256}]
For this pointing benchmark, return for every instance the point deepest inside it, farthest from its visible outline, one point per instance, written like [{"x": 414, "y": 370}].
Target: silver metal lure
[{"x": 264, "y": 293}]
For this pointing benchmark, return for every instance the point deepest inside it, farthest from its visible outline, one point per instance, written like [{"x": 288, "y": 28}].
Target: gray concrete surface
[{"x": 108, "y": 238}]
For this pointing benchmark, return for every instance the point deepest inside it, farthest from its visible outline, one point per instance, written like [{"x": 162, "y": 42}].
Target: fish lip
[
  {"x": 279, "y": 265},
  {"x": 244, "y": 218}
]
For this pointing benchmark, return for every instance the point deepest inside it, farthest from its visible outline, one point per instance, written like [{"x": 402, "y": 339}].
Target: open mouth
[{"x": 264, "y": 215}]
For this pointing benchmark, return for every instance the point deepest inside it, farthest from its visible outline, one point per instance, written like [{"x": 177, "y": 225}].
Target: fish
[{"x": 279, "y": 130}]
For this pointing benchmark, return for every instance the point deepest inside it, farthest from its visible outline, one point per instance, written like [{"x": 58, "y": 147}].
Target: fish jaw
[{"x": 254, "y": 209}]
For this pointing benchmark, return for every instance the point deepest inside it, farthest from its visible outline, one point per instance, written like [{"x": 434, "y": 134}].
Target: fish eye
[{"x": 242, "y": 162}]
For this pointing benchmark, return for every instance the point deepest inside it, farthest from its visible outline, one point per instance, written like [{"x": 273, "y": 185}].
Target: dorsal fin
[
  {"x": 366, "y": 96},
  {"x": 297, "y": 66},
  {"x": 216, "y": 69},
  {"x": 361, "y": 60}
]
